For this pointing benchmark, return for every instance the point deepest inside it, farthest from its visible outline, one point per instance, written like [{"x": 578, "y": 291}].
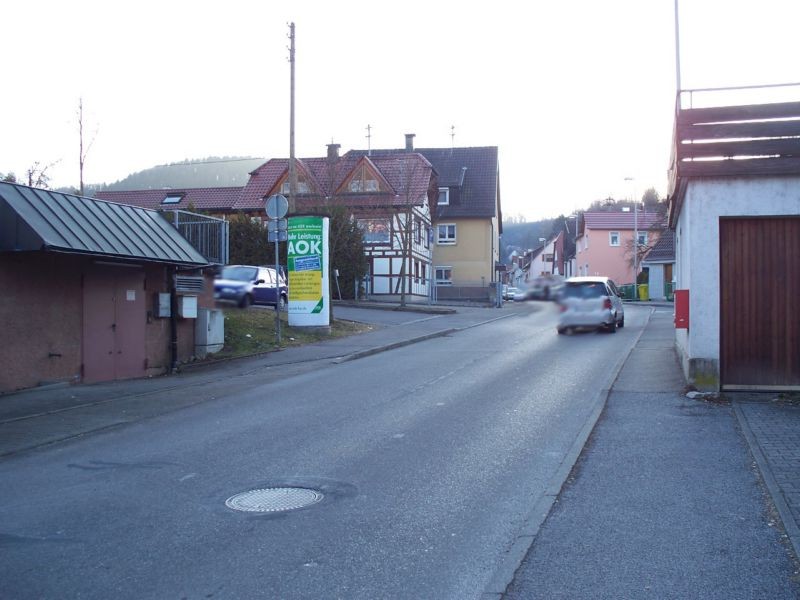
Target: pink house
[{"x": 604, "y": 244}]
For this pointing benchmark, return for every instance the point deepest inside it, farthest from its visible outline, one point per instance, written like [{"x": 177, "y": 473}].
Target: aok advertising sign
[{"x": 307, "y": 260}]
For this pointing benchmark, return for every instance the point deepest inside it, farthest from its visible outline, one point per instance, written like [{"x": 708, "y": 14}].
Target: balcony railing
[{"x": 722, "y": 138}]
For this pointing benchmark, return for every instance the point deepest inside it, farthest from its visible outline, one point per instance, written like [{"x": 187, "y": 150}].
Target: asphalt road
[{"x": 430, "y": 458}]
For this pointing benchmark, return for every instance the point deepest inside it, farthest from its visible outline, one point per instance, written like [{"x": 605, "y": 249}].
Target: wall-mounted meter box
[
  {"x": 162, "y": 306},
  {"x": 187, "y": 307}
]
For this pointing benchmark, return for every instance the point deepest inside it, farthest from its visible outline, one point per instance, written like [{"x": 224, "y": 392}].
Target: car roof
[
  {"x": 588, "y": 279},
  {"x": 251, "y": 267}
]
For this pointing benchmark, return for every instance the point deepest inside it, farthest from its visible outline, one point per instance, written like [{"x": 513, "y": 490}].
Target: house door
[
  {"x": 760, "y": 303},
  {"x": 114, "y": 317}
]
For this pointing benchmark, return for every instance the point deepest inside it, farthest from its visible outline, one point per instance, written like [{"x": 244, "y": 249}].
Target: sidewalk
[{"x": 665, "y": 501}]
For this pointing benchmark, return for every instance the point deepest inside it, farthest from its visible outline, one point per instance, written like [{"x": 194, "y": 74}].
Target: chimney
[
  {"x": 333, "y": 151},
  {"x": 410, "y": 142}
]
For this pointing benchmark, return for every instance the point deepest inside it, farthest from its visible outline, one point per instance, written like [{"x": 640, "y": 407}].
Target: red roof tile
[
  {"x": 200, "y": 198},
  {"x": 622, "y": 220}
]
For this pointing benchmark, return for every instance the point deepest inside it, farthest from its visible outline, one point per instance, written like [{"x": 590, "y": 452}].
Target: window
[
  {"x": 642, "y": 239},
  {"x": 416, "y": 271},
  {"x": 446, "y": 233},
  {"x": 172, "y": 199},
  {"x": 444, "y": 275},
  {"x": 375, "y": 231},
  {"x": 363, "y": 185},
  {"x": 444, "y": 196},
  {"x": 613, "y": 238},
  {"x": 547, "y": 258},
  {"x": 417, "y": 231},
  {"x": 302, "y": 187}
]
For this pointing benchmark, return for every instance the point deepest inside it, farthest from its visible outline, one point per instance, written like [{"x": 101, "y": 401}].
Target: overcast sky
[{"x": 577, "y": 95}]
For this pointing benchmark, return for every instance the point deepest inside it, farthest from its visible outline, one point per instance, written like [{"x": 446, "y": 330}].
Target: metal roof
[{"x": 36, "y": 219}]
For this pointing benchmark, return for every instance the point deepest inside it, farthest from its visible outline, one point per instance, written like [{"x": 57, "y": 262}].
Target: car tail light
[{"x": 607, "y": 303}]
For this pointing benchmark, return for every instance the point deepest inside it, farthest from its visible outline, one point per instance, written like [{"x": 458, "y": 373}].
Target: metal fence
[
  {"x": 463, "y": 291},
  {"x": 208, "y": 235}
]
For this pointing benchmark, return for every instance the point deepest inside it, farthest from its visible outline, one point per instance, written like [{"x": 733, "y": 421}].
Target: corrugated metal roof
[{"x": 36, "y": 219}]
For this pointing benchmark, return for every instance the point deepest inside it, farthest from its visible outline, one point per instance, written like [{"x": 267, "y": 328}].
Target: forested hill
[
  {"x": 206, "y": 172},
  {"x": 524, "y": 236}
]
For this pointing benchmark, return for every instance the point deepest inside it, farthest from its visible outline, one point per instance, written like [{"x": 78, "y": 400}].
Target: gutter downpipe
[{"x": 173, "y": 321}]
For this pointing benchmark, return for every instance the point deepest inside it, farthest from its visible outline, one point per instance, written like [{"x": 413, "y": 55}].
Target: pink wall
[{"x": 607, "y": 260}]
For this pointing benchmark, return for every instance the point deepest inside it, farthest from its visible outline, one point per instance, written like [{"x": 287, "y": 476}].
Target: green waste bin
[
  {"x": 643, "y": 292},
  {"x": 626, "y": 291}
]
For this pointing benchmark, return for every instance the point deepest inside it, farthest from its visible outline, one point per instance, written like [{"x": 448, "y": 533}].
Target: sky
[{"x": 578, "y": 95}]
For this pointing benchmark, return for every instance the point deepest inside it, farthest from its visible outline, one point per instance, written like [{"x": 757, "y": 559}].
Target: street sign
[
  {"x": 277, "y": 236},
  {"x": 276, "y": 206},
  {"x": 277, "y": 225}
]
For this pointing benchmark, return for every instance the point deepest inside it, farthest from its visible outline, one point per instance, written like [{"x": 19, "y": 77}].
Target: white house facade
[{"x": 735, "y": 210}]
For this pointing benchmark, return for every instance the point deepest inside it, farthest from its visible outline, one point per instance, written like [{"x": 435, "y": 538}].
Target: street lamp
[{"x": 635, "y": 241}]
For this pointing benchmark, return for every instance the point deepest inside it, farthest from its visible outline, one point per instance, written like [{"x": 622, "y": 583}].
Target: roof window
[{"x": 172, "y": 198}]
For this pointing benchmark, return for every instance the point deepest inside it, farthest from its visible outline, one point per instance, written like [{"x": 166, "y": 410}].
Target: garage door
[
  {"x": 114, "y": 317},
  {"x": 760, "y": 303}
]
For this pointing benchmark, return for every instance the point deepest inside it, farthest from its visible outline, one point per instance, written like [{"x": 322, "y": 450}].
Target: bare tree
[
  {"x": 37, "y": 174},
  {"x": 408, "y": 222},
  {"x": 83, "y": 153}
]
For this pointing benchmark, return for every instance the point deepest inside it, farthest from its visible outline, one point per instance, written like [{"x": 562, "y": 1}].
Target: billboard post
[{"x": 307, "y": 263}]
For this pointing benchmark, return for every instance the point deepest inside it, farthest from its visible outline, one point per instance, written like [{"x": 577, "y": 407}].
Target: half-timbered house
[{"x": 390, "y": 195}]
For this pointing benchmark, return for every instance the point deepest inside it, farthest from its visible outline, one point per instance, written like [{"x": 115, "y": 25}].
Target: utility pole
[
  {"x": 292, "y": 172},
  {"x": 677, "y": 50}
]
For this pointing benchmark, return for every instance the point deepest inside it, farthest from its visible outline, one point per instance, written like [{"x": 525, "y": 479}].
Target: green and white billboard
[{"x": 307, "y": 261}]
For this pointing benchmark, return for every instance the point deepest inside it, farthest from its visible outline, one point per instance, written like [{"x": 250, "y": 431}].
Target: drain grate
[{"x": 275, "y": 499}]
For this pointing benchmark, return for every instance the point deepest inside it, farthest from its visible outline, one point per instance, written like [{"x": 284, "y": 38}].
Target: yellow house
[{"x": 468, "y": 220}]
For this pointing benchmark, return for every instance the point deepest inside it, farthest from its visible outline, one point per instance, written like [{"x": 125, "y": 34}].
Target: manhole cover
[{"x": 275, "y": 499}]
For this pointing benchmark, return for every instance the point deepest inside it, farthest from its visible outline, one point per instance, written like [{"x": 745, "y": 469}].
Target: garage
[{"x": 760, "y": 302}]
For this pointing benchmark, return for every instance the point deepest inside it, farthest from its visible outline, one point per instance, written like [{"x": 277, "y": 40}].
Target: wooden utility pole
[{"x": 292, "y": 172}]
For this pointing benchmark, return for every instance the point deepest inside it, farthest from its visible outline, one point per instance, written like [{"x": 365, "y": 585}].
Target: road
[{"x": 430, "y": 458}]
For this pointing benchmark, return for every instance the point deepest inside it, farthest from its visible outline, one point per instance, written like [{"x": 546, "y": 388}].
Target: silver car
[{"x": 590, "y": 303}]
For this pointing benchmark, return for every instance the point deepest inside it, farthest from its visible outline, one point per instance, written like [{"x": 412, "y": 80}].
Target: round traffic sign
[{"x": 277, "y": 205}]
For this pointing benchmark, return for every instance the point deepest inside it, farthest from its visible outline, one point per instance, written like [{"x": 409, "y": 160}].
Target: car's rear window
[
  {"x": 587, "y": 289},
  {"x": 239, "y": 273}
]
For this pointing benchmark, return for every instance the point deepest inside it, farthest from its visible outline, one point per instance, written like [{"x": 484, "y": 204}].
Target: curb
[
  {"x": 532, "y": 524},
  {"x": 400, "y": 344}
]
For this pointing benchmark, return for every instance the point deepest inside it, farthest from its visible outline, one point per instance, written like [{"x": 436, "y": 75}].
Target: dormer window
[
  {"x": 302, "y": 187},
  {"x": 365, "y": 179},
  {"x": 172, "y": 199},
  {"x": 363, "y": 185},
  {"x": 444, "y": 196}
]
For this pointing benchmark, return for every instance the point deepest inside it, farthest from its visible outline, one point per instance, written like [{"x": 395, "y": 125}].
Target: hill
[
  {"x": 524, "y": 236},
  {"x": 206, "y": 172}
]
